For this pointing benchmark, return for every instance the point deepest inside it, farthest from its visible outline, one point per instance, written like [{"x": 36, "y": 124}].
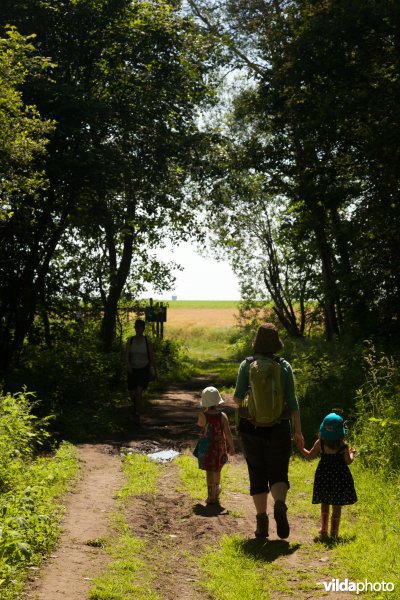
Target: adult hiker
[
  {"x": 266, "y": 397},
  {"x": 140, "y": 366}
]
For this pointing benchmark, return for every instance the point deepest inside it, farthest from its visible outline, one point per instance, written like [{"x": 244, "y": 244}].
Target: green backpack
[{"x": 265, "y": 398}]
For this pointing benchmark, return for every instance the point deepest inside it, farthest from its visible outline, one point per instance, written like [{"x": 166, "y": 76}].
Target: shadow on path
[{"x": 268, "y": 551}]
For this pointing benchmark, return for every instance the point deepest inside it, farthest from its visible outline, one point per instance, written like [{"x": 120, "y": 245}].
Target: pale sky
[{"x": 201, "y": 279}]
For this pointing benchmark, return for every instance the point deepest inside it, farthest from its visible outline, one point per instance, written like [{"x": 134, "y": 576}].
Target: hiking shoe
[
  {"x": 262, "y": 526},
  {"x": 282, "y": 525}
]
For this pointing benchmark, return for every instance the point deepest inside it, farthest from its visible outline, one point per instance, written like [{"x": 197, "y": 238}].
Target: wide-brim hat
[
  {"x": 210, "y": 396},
  {"x": 332, "y": 427},
  {"x": 267, "y": 339}
]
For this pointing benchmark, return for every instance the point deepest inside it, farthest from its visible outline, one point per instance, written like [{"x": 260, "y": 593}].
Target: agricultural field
[
  {"x": 207, "y": 314},
  {"x": 205, "y": 327}
]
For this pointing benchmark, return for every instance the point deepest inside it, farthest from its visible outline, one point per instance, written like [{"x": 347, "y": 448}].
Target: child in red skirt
[{"x": 215, "y": 442}]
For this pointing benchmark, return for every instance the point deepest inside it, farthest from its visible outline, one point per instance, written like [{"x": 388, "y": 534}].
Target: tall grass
[{"x": 377, "y": 426}]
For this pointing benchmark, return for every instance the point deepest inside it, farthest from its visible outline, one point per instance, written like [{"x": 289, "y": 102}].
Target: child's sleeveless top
[
  {"x": 333, "y": 482},
  {"x": 211, "y": 448}
]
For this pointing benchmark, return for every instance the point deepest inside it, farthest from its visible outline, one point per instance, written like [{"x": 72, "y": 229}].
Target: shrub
[
  {"x": 377, "y": 427},
  {"x": 21, "y": 433}
]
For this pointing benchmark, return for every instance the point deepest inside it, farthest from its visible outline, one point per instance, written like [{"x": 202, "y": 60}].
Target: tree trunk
[{"x": 118, "y": 277}]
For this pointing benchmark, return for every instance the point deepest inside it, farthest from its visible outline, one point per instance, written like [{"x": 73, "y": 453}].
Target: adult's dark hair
[{"x": 140, "y": 323}]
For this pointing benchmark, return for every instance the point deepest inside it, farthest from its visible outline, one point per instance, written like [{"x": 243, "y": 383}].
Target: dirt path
[
  {"x": 175, "y": 528},
  {"x": 68, "y": 572}
]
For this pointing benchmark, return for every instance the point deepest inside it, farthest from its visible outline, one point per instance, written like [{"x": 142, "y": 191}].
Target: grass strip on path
[
  {"x": 193, "y": 480},
  {"x": 128, "y": 576}
]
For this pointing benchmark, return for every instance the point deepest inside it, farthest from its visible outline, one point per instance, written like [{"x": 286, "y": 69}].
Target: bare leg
[
  {"x": 212, "y": 477},
  {"x": 324, "y": 520},
  {"x": 137, "y": 402},
  {"x": 279, "y": 491},
  {"x": 335, "y": 521},
  {"x": 260, "y": 502}
]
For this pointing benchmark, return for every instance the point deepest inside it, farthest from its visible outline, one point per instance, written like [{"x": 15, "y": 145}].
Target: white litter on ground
[{"x": 163, "y": 455}]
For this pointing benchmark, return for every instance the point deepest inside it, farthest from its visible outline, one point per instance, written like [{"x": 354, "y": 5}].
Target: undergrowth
[{"x": 31, "y": 485}]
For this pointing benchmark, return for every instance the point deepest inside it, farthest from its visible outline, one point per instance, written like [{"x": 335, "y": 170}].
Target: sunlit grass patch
[
  {"x": 141, "y": 475},
  {"x": 239, "y": 568},
  {"x": 233, "y": 478},
  {"x": 192, "y": 478},
  {"x": 301, "y": 477},
  {"x": 203, "y": 342},
  {"x": 371, "y": 532},
  {"x": 128, "y": 577}
]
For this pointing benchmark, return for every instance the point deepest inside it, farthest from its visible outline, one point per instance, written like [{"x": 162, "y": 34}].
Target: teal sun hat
[{"x": 332, "y": 427}]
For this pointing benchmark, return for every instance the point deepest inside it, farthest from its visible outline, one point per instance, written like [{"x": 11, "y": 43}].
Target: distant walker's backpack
[{"x": 265, "y": 401}]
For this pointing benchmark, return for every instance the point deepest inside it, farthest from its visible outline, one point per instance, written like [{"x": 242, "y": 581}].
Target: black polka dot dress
[{"x": 333, "y": 481}]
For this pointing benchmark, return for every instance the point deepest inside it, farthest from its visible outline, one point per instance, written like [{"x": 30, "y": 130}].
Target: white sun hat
[{"x": 210, "y": 396}]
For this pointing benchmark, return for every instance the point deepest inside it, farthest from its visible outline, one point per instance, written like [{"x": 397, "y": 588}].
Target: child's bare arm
[
  {"x": 349, "y": 455},
  {"x": 228, "y": 434},
  {"x": 201, "y": 420},
  {"x": 314, "y": 452}
]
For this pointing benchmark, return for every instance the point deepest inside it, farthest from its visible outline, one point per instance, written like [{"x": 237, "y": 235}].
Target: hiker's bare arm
[
  {"x": 128, "y": 355},
  {"x": 151, "y": 357},
  {"x": 228, "y": 434},
  {"x": 298, "y": 436},
  {"x": 201, "y": 420},
  {"x": 237, "y": 400},
  {"x": 314, "y": 452}
]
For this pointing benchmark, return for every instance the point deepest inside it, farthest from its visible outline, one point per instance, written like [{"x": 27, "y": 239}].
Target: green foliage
[
  {"x": 77, "y": 381},
  {"x": 23, "y": 133},
  {"x": 30, "y": 484},
  {"x": 172, "y": 360},
  {"x": 21, "y": 433},
  {"x": 317, "y": 162},
  {"x": 377, "y": 426},
  {"x": 125, "y": 92}
]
